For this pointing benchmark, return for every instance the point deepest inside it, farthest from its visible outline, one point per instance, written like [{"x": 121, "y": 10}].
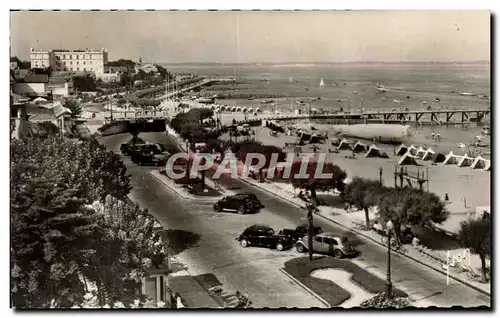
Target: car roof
[
  {"x": 307, "y": 225},
  {"x": 329, "y": 234},
  {"x": 260, "y": 227}
]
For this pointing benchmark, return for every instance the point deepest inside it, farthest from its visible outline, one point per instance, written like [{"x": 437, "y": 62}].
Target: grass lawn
[{"x": 300, "y": 269}]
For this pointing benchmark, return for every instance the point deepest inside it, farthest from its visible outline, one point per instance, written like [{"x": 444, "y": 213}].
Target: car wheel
[
  {"x": 280, "y": 247},
  {"x": 241, "y": 210},
  {"x": 244, "y": 243},
  {"x": 217, "y": 208},
  {"x": 300, "y": 248},
  {"x": 337, "y": 254}
]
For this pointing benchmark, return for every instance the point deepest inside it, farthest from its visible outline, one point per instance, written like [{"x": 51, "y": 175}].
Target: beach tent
[
  {"x": 258, "y": 109},
  {"x": 250, "y": 109},
  {"x": 335, "y": 141},
  {"x": 480, "y": 163},
  {"x": 451, "y": 159},
  {"x": 407, "y": 159},
  {"x": 315, "y": 139},
  {"x": 373, "y": 152},
  {"x": 244, "y": 109},
  {"x": 412, "y": 150},
  {"x": 359, "y": 147},
  {"x": 304, "y": 137},
  {"x": 420, "y": 152},
  {"x": 344, "y": 145},
  {"x": 238, "y": 109},
  {"x": 429, "y": 154},
  {"x": 402, "y": 150},
  {"x": 465, "y": 161},
  {"x": 233, "y": 109},
  {"x": 439, "y": 157}
]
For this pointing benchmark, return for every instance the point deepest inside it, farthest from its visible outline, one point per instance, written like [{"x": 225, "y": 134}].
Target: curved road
[{"x": 255, "y": 271}]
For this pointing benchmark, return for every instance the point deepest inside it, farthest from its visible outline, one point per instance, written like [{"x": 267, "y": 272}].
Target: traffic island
[
  {"x": 187, "y": 189},
  {"x": 300, "y": 269}
]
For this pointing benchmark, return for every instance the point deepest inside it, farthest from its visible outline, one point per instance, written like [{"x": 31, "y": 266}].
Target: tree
[
  {"x": 312, "y": 183},
  {"x": 86, "y": 83},
  {"x": 125, "y": 80},
  {"x": 410, "y": 207},
  {"x": 74, "y": 107},
  {"x": 363, "y": 194},
  {"x": 59, "y": 243},
  {"x": 475, "y": 234},
  {"x": 49, "y": 232}
]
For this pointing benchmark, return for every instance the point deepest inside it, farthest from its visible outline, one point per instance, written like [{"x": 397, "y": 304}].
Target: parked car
[
  {"x": 127, "y": 147},
  {"x": 328, "y": 243},
  {"x": 259, "y": 235},
  {"x": 152, "y": 149},
  {"x": 147, "y": 159},
  {"x": 252, "y": 197},
  {"x": 235, "y": 203},
  {"x": 301, "y": 231}
]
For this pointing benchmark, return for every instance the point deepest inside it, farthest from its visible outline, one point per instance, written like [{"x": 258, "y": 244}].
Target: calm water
[{"x": 354, "y": 86}]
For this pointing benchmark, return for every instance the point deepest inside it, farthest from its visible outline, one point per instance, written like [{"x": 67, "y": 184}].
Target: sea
[{"x": 354, "y": 86}]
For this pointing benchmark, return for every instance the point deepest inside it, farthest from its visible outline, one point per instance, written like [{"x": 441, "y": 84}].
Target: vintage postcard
[{"x": 250, "y": 159}]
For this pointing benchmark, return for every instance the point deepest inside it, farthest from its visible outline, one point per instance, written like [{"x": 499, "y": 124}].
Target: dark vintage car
[
  {"x": 236, "y": 203},
  {"x": 127, "y": 147},
  {"x": 264, "y": 236},
  {"x": 327, "y": 243},
  {"x": 252, "y": 197},
  {"x": 152, "y": 149},
  {"x": 301, "y": 231},
  {"x": 147, "y": 159}
]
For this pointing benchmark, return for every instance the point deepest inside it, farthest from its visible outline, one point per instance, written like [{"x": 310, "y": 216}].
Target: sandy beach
[{"x": 467, "y": 188}]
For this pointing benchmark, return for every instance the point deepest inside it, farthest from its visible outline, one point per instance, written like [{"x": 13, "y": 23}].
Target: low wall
[{"x": 119, "y": 127}]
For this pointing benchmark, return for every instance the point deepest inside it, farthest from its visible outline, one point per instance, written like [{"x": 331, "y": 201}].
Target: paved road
[
  {"x": 206, "y": 241},
  {"x": 219, "y": 253}
]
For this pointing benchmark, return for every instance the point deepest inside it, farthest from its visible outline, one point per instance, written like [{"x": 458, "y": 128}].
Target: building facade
[{"x": 88, "y": 60}]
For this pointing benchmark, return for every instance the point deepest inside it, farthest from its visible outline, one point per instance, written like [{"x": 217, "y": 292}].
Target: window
[
  {"x": 318, "y": 239},
  {"x": 330, "y": 241},
  {"x": 83, "y": 62},
  {"x": 77, "y": 62},
  {"x": 78, "y": 69},
  {"x": 70, "y": 63},
  {"x": 84, "y": 69}
]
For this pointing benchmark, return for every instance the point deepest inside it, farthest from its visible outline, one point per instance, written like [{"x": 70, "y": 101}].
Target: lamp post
[{"x": 388, "y": 284}]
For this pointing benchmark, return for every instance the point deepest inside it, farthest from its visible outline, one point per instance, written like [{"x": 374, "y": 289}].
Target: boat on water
[{"x": 322, "y": 83}]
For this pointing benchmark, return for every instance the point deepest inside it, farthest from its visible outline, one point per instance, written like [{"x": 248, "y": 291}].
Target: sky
[{"x": 265, "y": 36}]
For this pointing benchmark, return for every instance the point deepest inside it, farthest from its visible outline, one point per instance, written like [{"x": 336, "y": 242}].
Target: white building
[{"x": 88, "y": 60}]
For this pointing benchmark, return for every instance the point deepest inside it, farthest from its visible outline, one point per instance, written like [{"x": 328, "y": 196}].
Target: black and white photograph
[{"x": 332, "y": 159}]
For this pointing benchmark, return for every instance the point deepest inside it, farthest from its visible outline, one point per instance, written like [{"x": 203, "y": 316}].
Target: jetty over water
[{"x": 441, "y": 117}]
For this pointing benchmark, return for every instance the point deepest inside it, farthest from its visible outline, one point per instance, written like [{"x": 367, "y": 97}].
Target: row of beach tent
[
  {"x": 411, "y": 153},
  {"x": 359, "y": 147},
  {"x": 234, "y": 109}
]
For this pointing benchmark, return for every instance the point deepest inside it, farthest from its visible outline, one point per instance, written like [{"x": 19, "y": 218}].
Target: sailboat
[
  {"x": 290, "y": 80},
  {"x": 321, "y": 83}
]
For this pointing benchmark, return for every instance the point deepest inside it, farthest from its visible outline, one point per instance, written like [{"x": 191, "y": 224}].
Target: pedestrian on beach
[{"x": 446, "y": 198}]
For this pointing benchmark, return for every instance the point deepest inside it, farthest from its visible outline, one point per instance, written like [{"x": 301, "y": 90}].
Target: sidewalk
[{"x": 353, "y": 220}]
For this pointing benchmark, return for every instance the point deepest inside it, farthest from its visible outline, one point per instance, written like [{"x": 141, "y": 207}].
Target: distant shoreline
[{"x": 324, "y": 63}]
